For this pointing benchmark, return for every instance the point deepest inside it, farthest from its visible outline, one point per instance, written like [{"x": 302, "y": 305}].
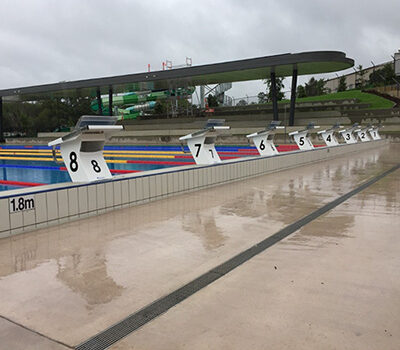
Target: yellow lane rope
[
  {"x": 106, "y": 155},
  {"x": 58, "y": 159}
]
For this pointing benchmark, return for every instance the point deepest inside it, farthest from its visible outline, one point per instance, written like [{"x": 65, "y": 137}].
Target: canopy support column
[
  {"x": 293, "y": 97},
  {"x": 202, "y": 97},
  {"x": 99, "y": 102},
  {"x": 110, "y": 101},
  {"x": 274, "y": 99},
  {"x": 1, "y": 121}
]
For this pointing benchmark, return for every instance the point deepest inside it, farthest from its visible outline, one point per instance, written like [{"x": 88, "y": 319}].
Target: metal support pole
[
  {"x": 293, "y": 97},
  {"x": 110, "y": 101},
  {"x": 202, "y": 97},
  {"x": 1, "y": 121},
  {"x": 274, "y": 99},
  {"x": 99, "y": 102}
]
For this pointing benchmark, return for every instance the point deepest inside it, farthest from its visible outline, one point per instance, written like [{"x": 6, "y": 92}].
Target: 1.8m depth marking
[{"x": 21, "y": 204}]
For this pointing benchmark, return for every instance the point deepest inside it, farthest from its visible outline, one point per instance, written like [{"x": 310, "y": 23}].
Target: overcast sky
[{"x": 44, "y": 41}]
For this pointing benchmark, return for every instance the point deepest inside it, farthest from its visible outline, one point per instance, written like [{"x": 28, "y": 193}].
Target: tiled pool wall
[{"x": 60, "y": 203}]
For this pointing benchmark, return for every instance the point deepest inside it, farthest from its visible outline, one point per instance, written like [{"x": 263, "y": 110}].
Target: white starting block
[
  {"x": 374, "y": 132},
  {"x": 363, "y": 134},
  {"x": 302, "y": 139},
  {"x": 348, "y": 135},
  {"x": 264, "y": 139},
  {"x": 328, "y": 135},
  {"x": 202, "y": 143},
  {"x": 82, "y": 149}
]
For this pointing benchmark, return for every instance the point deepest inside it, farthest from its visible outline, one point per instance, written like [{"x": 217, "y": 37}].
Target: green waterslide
[{"x": 131, "y": 105}]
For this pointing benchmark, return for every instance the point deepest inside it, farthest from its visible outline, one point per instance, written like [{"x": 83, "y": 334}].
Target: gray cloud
[{"x": 45, "y": 41}]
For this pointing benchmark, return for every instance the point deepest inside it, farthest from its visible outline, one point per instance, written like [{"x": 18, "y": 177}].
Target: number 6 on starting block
[{"x": 264, "y": 139}]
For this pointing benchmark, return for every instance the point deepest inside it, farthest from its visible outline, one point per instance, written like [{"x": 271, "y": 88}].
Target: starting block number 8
[
  {"x": 96, "y": 167},
  {"x": 73, "y": 165}
]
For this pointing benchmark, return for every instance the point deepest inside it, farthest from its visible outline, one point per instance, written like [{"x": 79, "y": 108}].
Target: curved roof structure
[{"x": 314, "y": 62}]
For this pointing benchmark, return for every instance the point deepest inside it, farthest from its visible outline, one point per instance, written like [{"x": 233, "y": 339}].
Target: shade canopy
[{"x": 241, "y": 70}]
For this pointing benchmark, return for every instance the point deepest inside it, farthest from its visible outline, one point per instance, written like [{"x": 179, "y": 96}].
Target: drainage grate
[{"x": 111, "y": 335}]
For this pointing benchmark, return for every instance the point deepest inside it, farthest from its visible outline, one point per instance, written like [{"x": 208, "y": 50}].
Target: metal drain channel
[{"x": 111, "y": 335}]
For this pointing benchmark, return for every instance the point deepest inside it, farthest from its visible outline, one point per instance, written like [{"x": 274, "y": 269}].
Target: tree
[
  {"x": 160, "y": 107},
  {"x": 242, "y": 103},
  {"x": 46, "y": 115},
  {"x": 315, "y": 87},
  {"x": 360, "y": 81},
  {"x": 342, "y": 84},
  {"x": 383, "y": 76},
  {"x": 262, "y": 97},
  {"x": 20, "y": 117},
  {"x": 212, "y": 101},
  {"x": 279, "y": 86},
  {"x": 301, "y": 91}
]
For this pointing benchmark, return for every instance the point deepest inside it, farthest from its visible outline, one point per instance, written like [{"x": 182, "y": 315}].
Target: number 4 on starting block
[{"x": 328, "y": 135}]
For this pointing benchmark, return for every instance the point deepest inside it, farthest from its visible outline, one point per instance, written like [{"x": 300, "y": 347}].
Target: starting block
[
  {"x": 348, "y": 135},
  {"x": 301, "y": 137},
  {"x": 328, "y": 135},
  {"x": 202, "y": 143},
  {"x": 264, "y": 139},
  {"x": 82, "y": 149},
  {"x": 374, "y": 132},
  {"x": 363, "y": 134}
]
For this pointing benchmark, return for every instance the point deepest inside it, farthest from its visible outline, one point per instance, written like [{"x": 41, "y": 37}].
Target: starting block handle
[
  {"x": 183, "y": 148},
  {"x": 53, "y": 152}
]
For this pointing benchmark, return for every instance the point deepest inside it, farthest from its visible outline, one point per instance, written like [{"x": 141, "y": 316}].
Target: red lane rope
[
  {"x": 163, "y": 162},
  {"x": 123, "y": 171},
  {"x": 220, "y": 153},
  {"x": 287, "y": 148},
  {"x": 239, "y": 154},
  {"x": 183, "y": 157},
  {"x": 223, "y": 158},
  {"x": 20, "y": 183}
]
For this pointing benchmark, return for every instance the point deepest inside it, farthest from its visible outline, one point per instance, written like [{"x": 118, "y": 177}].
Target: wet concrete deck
[{"x": 335, "y": 283}]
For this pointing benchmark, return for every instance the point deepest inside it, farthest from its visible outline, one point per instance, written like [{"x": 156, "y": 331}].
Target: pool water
[{"x": 24, "y": 166}]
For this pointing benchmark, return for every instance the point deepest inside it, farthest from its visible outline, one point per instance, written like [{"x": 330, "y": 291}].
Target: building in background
[{"x": 352, "y": 79}]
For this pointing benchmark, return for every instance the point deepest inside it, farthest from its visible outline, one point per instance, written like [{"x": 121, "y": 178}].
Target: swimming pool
[{"x": 25, "y": 165}]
